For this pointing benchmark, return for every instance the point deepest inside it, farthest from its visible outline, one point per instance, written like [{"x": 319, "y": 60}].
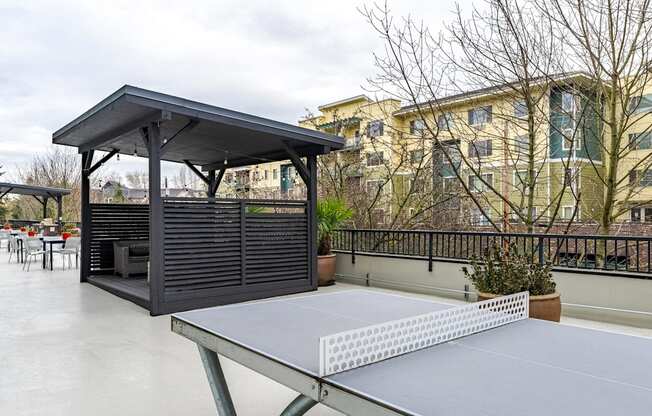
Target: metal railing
[{"x": 629, "y": 254}]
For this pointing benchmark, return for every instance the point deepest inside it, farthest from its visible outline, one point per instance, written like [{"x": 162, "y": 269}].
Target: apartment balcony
[{"x": 352, "y": 143}]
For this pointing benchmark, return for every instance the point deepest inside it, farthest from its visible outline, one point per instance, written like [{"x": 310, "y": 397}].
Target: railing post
[
  {"x": 352, "y": 246},
  {"x": 429, "y": 252},
  {"x": 541, "y": 259}
]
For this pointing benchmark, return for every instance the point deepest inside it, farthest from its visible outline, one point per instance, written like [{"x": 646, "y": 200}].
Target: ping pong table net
[{"x": 358, "y": 347}]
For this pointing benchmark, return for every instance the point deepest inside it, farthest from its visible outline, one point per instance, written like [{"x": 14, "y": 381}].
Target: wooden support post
[
  {"x": 211, "y": 184},
  {"x": 156, "y": 266},
  {"x": 87, "y": 226},
  {"x": 59, "y": 212},
  {"x": 311, "y": 186},
  {"x": 45, "y": 207}
]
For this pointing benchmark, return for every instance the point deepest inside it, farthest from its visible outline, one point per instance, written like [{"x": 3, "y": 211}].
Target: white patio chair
[
  {"x": 33, "y": 248},
  {"x": 4, "y": 236},
  {"x": 14, "y": 248},
  {"x": 72, "y": 246}
]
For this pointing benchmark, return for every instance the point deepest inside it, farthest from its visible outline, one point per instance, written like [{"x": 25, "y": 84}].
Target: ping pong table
[{"x": 374, "y": 353}]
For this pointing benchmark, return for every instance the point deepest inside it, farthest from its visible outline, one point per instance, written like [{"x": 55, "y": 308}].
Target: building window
[
  {"x": 449, "y": 184},
  {"x": 516, "y": 218},
  {"x": 417, "y": 185},
  {"x": 480, "y": 148},
  {"x": 375, "y": 128},
  {"x": 521, "y": 182},
  {"x": 640, "y": 104},
  {"x": 522, "y": 144},
  {"x": 478, "y": 218},
  {"x": 265, "y": 174},
  {"x": 640, "y": 141},
  {"x": 416, "y": 156},
  {"x": 445, "y": 121},
  {"x": 378, "y": 216},
  {"x": 568, "y": 103},
  {"x": 375, "y": 159},
  {"x": 571, "y": 139},
  {"x": 640, "y": 178},
  {"x": 477, "y": 185},
  {"x": 480, "y": 115},
  {"x": 635, "y": 215},
  {"x": 567, "y": 213},
  {"x": 275, "y": 174},
  {"x": 520, "y": 109},
  {"x": 454, "y": 155},
  {"x": 573, "y": 178},
  {"x": 417, "y": 126},
  {"x": 374, "y": 187}
]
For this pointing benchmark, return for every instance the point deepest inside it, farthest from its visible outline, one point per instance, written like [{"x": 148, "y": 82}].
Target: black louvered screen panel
[
  {"x": 202, "y": 244},
  {"x": 113, "y": 222},
  {"x": 276, "y": 242},
  {"x": 206, "y": 245}
]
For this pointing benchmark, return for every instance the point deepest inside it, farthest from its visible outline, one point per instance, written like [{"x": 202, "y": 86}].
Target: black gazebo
[
  {"x": 202, "y": 251},
  {"x": 41, "y": 193}
]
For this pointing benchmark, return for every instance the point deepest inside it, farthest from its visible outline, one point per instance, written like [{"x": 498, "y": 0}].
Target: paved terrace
[{"x": 72, "y": 349}]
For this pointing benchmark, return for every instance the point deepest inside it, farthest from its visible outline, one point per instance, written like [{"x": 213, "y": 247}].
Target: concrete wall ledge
[{"x": 594, "y": 296}]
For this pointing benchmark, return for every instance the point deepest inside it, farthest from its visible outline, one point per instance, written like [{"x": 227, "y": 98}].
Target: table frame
[
  {"x": 311, "y": 389},
  {"x": 51, "y": 243}
]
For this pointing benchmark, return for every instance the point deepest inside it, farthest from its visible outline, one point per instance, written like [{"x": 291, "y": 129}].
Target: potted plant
[
  {"x": 331, "y": 213},
  {"x": 504, "y": 270}
]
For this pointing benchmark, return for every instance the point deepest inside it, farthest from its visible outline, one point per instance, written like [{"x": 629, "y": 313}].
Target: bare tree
[
  {"x": 138, "y": 179},
  {"x": 57, "y": 167},
  {"x": 385, "y": 178},
  {"x": 504, "y": 50},
  {"x": 611, "y": 41}
]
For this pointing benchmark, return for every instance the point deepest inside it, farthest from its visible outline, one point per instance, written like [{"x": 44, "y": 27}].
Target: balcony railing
[{"x": 627, "y": 254}]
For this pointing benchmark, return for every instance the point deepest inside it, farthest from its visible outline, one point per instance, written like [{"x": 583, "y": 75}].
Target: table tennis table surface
[{"x": 529, "y": 367}]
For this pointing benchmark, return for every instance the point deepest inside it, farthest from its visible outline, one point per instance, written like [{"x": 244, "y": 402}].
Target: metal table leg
[
  {"x": 299, "y": 406},
  {"x": 216, "y": 380}
]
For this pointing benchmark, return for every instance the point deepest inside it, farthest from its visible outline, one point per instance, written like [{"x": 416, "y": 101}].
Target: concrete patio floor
[{"x": 72, "y": 349}]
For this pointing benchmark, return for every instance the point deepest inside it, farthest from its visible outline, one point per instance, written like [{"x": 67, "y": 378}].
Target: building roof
[
  {"x": 486, "y": 92},
  {"x": 203, "y": 134},
  {"x": 23, "y": 189},
  {"x": 349, "y": 100}
]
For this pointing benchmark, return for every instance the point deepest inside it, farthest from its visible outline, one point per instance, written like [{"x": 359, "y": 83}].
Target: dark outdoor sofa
[{"x": 130, "y": 257}]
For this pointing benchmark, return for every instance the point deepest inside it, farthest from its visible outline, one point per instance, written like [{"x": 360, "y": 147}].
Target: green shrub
[{"x": 503, "y": 270}]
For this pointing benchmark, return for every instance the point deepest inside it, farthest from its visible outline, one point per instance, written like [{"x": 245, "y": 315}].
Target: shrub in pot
[
  {"x": 504, "y": 270},
  {"x": 331, "y": 214}
]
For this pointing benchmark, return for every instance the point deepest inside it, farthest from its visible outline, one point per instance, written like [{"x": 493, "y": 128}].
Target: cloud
[{"x": 273, "y": 59}]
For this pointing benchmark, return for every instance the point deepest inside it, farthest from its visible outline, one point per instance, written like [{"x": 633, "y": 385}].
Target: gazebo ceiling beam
[
  {"x": 191, "y": 124},
  {"x": 102, "y": 161},
  {"x": 297, "y": 162},
  {"x": 42, "y": 202},
  {"x": 113, "y": 135},
  {"x": 218, "y": 180},
  {"x": 6, "y": 192},
  {"x": 197, "y": 172}
]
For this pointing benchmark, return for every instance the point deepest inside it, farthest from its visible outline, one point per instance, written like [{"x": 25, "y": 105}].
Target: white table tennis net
[{"x": 351, "y": 349}]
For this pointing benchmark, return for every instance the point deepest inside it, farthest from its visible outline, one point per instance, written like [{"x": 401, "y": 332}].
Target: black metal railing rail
[{"x": 594, "y": 252}]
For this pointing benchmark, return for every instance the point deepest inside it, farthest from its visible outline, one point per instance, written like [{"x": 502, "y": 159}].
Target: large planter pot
[
  {"x": 546, "y": 307},
  {"x": 326, "y": 269}
]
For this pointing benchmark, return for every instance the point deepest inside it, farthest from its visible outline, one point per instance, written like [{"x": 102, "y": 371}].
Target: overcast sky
[{"x": 269, "y": 58}]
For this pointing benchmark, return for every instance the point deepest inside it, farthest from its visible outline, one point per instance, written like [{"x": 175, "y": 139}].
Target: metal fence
[{"x": 592, "y": 252}]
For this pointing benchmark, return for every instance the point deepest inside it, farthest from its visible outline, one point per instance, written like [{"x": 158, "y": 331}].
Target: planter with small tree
[
  {"x": 503, "y": 270},
  {"x": 331, "y": 214}
]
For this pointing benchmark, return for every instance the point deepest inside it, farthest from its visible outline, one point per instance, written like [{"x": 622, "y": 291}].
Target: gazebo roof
[
  {"x": 22, "y": 189},
  {"x": 202, "y": 134}
]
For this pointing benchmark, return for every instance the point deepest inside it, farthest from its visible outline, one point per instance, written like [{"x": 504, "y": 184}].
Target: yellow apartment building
[{"x": 402, "y": 160}]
